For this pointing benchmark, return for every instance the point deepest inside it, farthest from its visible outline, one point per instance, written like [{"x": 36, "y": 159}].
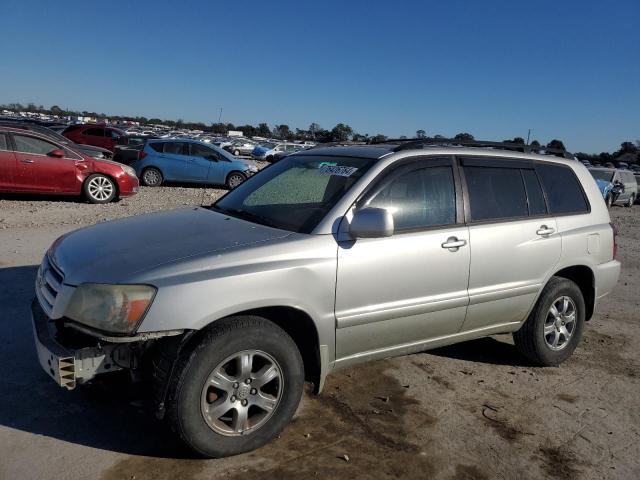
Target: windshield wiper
[{"x": 244, "y": 215}]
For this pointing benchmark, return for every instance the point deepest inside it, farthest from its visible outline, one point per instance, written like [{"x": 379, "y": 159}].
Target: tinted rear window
[
  {"x": 564, "y": 193},
  {"x": 495, "y": 193},
  {"x": 157, "y": 146}
]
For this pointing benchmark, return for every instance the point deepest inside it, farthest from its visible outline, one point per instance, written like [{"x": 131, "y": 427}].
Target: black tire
[
  {"x": 152, "y": 177},
  {"x": 530, "y": 339},
  {"x": 99, "y": 188},
  {"x": 224, "y": 339},
  {"x": 269, "y": 158},
  {"x": 632, "y": 200},
  {"x": 234, "y": 179}
]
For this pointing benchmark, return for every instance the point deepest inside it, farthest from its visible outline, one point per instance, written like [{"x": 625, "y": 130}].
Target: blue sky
[{"x": 566, "y": 69}]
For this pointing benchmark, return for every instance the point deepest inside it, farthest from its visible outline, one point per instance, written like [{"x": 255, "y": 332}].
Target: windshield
[
  {"x": 603, "y": 175},
  {"x": 295, "y": 193}
]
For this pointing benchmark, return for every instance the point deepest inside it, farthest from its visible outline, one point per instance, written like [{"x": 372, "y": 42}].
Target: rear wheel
[
  {"x": 152, "y": 177},
  {"x": 234, "y": 179},
  {"x": 237, "y": 389},
  {"x": 99, "y": 188},
  {"x": 554, "y": 328}
]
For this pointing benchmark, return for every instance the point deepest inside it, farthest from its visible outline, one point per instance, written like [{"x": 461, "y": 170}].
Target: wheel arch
[
  {"x": 299, "y": 325},
  {"x": 582, "y": 276}
]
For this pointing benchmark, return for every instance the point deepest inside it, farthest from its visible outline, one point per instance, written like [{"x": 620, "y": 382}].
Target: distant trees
[
  {"x": 555, "y": 143},
  {"x": 465, "y": 137},
  {"x": 421, "y": 134}
]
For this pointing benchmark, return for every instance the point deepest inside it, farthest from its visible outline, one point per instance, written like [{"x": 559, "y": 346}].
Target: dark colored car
[
  {"x": 34, "y": 163},
  {"x": 129, "y": 147},
  {"x": 92, "y": 151},
  {"x": 98, "y": 135}
]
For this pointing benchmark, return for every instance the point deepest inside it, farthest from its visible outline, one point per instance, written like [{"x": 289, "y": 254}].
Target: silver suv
[{"x": 332, "y": 257}]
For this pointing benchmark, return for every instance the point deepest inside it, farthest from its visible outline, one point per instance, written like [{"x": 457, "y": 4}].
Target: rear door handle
[
  {"x": 453, "y": 244},
  {"x": 27, "y": 161},
  {"x": 544, "y": 231}
]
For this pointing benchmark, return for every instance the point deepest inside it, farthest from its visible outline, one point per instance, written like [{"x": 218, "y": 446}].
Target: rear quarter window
[
  {"x": 563, "y": 189},
  {"x": 156, "y": 146}
]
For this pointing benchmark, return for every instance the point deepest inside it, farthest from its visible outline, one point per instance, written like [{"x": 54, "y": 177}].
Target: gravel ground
[{"x": 476, "y": 410}]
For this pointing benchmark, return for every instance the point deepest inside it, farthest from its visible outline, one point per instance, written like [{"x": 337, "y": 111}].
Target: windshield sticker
[
  {"x": 336, "y": 170},
  {"x": 332, "y": 164}
]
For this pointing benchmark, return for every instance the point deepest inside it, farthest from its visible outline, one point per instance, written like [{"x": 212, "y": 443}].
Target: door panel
[
  {"x": 38, "y": 172},
  {"x": 175, "y": 161},
  {"x": 8, "y": 167},
  {"x": 391, "y": 292},
  {"x": 509, "y": 265},
  {"x": 514, "y": 242}
]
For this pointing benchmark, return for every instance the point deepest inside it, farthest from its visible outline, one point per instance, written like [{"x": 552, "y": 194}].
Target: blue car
[{"x": 181, "y": 160}]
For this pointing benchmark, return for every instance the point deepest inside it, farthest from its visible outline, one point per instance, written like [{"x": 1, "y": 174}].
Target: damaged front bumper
[{"x": 71, "y": 366}]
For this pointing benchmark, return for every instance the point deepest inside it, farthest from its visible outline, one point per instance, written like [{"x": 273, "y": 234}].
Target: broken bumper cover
[{"x": 66, "y": 366}]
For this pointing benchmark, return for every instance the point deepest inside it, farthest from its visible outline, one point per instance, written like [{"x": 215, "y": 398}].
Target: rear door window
[
  {"x": 156, "y": 146},
  {"x": 495, "y": 193},
  {"x": 176, "y": 148},
  {"x": 3, "y": 142},
  {"x": 563, "y": 190}
]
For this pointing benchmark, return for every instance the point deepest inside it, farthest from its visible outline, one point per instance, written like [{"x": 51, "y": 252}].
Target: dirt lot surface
[{"x": 476, "y": 410}]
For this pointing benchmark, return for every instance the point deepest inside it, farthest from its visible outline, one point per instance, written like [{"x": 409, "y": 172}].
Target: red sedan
[
  {"x": 96, "y": 135},
  {"x": 32, "y": 163}
]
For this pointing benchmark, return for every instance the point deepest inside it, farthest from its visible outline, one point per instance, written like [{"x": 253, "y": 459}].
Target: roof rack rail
[{"x": 415, "y": 143}]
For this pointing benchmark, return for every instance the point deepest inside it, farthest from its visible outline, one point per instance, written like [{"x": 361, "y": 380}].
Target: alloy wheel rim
[
  {"x": 241, "y": 393},
  {"x": 151, "y": 177},
  {"x": 100, "y": 188},
  {"x": 560, "y": 323},
  {"x": 235, "y": 180}
]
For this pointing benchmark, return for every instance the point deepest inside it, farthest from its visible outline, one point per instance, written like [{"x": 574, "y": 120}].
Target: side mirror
[
  {"x": 371, "y": 223},
  {"x": 57, "y": 153}
]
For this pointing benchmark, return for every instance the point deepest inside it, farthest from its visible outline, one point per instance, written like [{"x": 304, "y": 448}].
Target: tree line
[{"x": 629, "y": 151}]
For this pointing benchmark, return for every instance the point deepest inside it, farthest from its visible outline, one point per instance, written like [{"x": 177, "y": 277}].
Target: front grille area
[{"x": 48, "y": 283}]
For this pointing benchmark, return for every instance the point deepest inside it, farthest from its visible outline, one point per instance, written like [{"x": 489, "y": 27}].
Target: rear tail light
[
  {"x": 615, "y": 239},
  {"x": 142, "y": 154}
]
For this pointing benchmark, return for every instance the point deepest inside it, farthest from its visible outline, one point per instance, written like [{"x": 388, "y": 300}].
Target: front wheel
[
  {"x": 631, "y": 201},
  {"x": 238, "y": 388},
  {"x": 554, "y": 328},
  {"x": 234, "y": 179},
  {"x": 236, "y": 152},
  {"x": 99, "y": 188}
]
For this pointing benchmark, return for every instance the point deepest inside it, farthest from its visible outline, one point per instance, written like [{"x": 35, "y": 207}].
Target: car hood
[{"x": 113, "y": 252}]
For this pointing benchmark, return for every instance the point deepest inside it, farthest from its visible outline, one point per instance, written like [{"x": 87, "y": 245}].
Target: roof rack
[{"x": 415, "y": 143}]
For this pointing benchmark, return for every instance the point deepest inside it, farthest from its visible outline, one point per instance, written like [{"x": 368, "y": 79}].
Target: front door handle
[
  {"x": 27, "y": 160},
  {"x": 453, "y": 244},
  {"x": 545, "y": 231}
]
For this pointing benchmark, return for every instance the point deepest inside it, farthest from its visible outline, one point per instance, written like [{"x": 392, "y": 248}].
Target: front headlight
[
  {"x": 111, "y": 308},
  {"x": 129, "y": 171}
]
